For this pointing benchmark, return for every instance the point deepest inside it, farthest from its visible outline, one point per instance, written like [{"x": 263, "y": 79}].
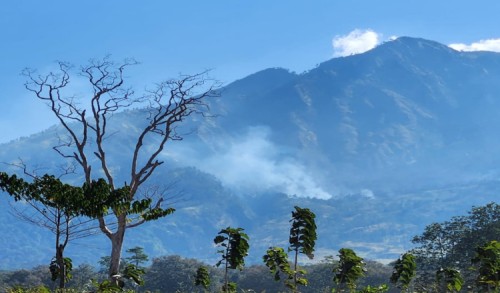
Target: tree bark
[
  {"x": 60, "y": 251},
  {"x": 62, "y": 266},
  {"x": 116, "y": 248}
]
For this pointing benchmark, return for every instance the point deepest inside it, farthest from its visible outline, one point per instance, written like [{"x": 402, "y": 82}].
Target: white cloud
[
  {"x": 483, "y": 45},
  {"x": 357, "y": 41},
  {"x": 367, "y": 193}
]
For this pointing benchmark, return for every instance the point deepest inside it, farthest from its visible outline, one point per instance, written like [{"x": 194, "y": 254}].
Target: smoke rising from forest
[{"x": 252, "y": 162}]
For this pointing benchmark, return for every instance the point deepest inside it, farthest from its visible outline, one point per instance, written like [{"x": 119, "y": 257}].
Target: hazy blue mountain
[{"x": 378, "y": 145}]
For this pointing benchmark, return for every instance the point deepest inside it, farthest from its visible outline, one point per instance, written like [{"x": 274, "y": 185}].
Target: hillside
[{"x": 378, "y": 145}]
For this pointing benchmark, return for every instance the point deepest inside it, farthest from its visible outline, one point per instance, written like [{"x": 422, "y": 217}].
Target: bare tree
[{"x": 87, "y": 127}]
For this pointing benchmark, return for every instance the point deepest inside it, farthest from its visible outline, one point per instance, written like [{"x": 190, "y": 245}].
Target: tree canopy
[{"x": 452, "y": 244}]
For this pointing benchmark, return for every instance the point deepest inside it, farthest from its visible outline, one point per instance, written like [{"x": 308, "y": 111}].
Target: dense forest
[
  {"x": 461, "y": 254},
  {"x": 177, "y": 274}
]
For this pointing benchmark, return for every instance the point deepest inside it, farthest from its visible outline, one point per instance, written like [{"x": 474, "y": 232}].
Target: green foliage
[
  {"x": 137, "y": 256},
  {"x": 276, "y": 259},
  {"x": 379, "y": 289},
  {"x": 56, "y": 269},
  {"x": 93, "y": 199},
  {"x": 169, "y": 274},
  {"x": 127, "y": 271},
  {"x": 451, "y": 244},
  {"x": 450, "y": 279},
  {"x": 202, "y": 278},
  {"x": 99, "y": 198},
  {"x": 104, "y": 263},
  {"x": 235, "y": 244},
  {"x": 48, "y": 190},
  {"x": 14, "y": 186},
  {"x": 302, "y": 239},
  {"x": 96, "y": 198},
  {"x": 82, "y": 278},
  {"x": 487, "y": 260},
  {"x": 435, "y": 241},
  {"x": 247, "y": 280},
  {"x": 235, "y": 248},
  {"x": 156, "y": 213},
  {"x": 39, "y": 289},
  {"x": 64, "y": 202},
  {"x": 229, "y": 287},
  {"x": 22, "y": 279},
  {"x": 107, "y": 286},
  {"x": 404, "y": 270},
  {"x": 303, "y": 232},
  {"x": 299, "y": 279},
  {"x": 349, "y": 269},
  {"x": 134, "y": 274}
]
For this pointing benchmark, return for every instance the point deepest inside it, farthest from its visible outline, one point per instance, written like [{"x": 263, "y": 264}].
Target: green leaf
[
  {"x": 134, "y": 273},
  {"x": 202, "y": 277}
]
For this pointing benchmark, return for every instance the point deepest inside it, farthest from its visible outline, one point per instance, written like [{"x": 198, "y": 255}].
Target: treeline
[
  {"x": 170, "y": 274},
  {"x": 459, "y": 255}
]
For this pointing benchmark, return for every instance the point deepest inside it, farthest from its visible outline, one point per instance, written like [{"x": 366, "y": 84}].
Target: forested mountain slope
[{"x": 378, "y": 145}]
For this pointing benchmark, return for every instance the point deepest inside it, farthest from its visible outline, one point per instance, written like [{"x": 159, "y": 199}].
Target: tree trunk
[
  {"x": 295, "y": 260},
  {"x": 60, "y": 251},
  {"x": 62, "y": 266},
  {"x": 116, "y": 249},
  {"x": 226, "y": 280}
]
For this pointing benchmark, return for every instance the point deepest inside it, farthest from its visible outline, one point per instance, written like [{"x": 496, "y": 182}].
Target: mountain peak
[
  {"x": 403, "y": 51},
  {"x": 263, "y": 80},
  {"x": 414, "y": 44}
]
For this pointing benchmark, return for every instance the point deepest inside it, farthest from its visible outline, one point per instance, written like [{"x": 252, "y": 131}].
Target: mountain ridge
[{"x": 377, "y": 144}]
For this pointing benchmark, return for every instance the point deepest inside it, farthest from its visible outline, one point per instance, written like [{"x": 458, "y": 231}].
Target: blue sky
[{"x": 234, "y": 38}]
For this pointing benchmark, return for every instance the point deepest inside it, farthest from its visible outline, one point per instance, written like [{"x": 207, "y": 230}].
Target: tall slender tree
[
  {"x": 137, "y": 256},
  {"x": 302, "y": 240},
  {"x": 404, "y": 271},
  {"x": 349, "y": 269},
  {"x": 234, "y": 243},
  {"x": 202, "y": 278},
  {"x": 86, "y": 124}
]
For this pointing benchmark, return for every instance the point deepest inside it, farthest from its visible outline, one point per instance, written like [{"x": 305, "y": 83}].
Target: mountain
[{"x": 377, "y": 144}]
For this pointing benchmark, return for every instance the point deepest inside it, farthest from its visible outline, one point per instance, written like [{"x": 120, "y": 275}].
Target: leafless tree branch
[{"x": 170, "y": 103}]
